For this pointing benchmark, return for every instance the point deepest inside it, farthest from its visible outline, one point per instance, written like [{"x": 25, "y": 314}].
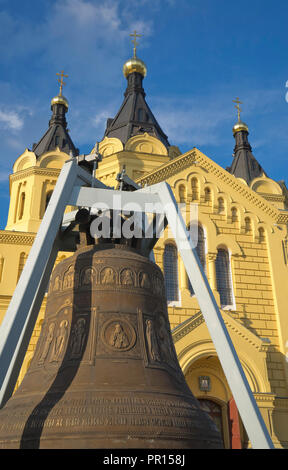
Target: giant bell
[{"x": 105, "y": 373}]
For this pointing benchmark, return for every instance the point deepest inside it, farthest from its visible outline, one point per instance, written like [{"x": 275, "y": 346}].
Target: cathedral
[{"x": 242, "y": 245}]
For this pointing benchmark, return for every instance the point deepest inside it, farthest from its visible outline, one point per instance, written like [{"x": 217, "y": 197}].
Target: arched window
[
  {"x": 182, "y": 193},
  {"x": 201, "y": 252},
  {"x": 261, "y": 233},
  {"x": 248, "y": 225},
  {"x": 234, "y": 214},
  {"x": 207, "y": 193},
  {"x": 224, "y": 277},
  {"x": 171, "y": 272},
  {"x": 21, "y": 206},
  {"x": 195, "y": 189},
  {"x": 221, "y": 205}
]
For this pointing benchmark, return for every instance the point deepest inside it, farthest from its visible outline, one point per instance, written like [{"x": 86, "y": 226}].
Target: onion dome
[
  {"x": 134, "y": 65},
  {"x": 240, "y": 126},
  {"x": 60, "y": 99}
]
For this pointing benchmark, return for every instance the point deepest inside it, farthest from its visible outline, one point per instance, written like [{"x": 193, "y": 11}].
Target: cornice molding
[
  {"x": 14, "y": 238},
  {"x": 195, "y": 157},
  {"x": 182, "y": 330},
  {"x": 232, "y": 325},
  {"x": 54, "y": 172}
]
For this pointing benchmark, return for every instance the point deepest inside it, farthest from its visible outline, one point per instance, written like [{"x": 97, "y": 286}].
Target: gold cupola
[
  {"x": 134, "y": 64},
  {"x": 240, "y": 125},
  {"x": 60, "y": 99}
]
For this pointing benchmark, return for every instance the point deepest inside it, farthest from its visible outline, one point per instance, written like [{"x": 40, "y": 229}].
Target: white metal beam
[{"x": 19, "y": 320}]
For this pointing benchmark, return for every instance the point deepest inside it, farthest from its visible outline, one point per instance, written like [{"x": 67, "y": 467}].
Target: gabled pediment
[
  {"x": 192, "y": 341},
  {"x": 229, "y": 184}
]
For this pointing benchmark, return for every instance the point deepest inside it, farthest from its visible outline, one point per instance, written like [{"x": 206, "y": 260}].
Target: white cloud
[
  {"x": 85, "y": 13},
  {"x": 191, "y": 122},
  {"x": 100, "y": 119},
  {"x": 11, "y": 120}
]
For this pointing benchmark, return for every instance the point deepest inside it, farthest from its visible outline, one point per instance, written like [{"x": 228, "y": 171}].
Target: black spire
[
  {"x": 244, "y": 164},
  {"x": 57, "y": 134},
  {"x": 134, "y": 117}
]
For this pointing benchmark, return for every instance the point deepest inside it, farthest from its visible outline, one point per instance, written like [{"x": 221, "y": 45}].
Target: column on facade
[
  {"x": 183, "y": 275},
  {"x": 211, "y": 272}
]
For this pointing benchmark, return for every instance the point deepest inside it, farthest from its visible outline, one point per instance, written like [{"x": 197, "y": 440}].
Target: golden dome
[
  {"x": 59, "y": 99},
  {"x": 240, "y": 126},
  {"x": 134, "y": 65}
]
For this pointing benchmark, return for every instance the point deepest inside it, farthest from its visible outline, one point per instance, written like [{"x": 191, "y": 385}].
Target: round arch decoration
[{"x": 203, "y": 348}]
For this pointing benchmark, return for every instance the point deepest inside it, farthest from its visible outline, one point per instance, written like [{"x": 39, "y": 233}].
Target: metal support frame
[{"x": 20, "y": 318}]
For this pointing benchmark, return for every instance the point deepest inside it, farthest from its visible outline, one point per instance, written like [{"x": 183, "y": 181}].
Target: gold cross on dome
[
  {"x": 60, "y": 80},
  {"x": 238, "y": 107},
  {"x": 135, "y": 35}
]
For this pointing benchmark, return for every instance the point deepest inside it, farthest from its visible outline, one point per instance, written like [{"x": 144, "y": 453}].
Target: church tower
[
  {"x": 35, "y": 172},
  {"x": 133, "y": 138},
  {"x": 244, "y": 165}
]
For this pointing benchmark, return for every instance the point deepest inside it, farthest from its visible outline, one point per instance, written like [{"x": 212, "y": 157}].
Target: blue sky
[{"x": 200, "y": 55}]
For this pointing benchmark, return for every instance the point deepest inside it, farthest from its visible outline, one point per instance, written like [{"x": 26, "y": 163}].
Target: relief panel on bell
[
  {"x": 159, "y": 345},
  {"x": 54, "y": 342},
  {"x": 88, "y": 277},
  {"x": 117, "y": 335}
]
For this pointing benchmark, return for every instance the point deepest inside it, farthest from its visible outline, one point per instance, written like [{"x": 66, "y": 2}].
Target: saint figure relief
[
  {"x": 78, "y": 338},
  {"x": 145, "y": 281},
  {"x": 152, "y": 341},
  {"x": 68, "y": 278},
  {"x": 56, "y": 283},
  {"x": 127, "y": 277},
  {"x": 60, "y": 341},
  {"x": 47, "y": 343},
  {"x": 118, "y": 337},
  {"x": 108, "y": 276},
  {"x": 88, "y": 277}
]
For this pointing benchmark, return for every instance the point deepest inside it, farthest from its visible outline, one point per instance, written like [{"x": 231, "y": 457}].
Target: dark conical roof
[
  {"x": 134, "y": 116},
  {"x": 57, "y": 134},
  {"x": 244, "y": 164}
]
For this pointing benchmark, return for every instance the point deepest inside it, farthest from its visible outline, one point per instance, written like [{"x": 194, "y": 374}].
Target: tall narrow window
[
  {"x": 221, "y": 205},
  {"x": 248, "y": 225},
  {"x": 21, "y": 265},
  {"x": 207, "y": 195},
  {"x": 201, "y": 252},
  {"x": 234, "y": 214},
  {"x": 48, "y": 197},
  {"x": 171, "y": 272},
  {"x": 182, "y": 193},
  {"x": 195, "y": 189},
  {"x": 224, "y": 277},
  {"x": 261, "y": 233},
  {"x": 21, "y": 206}
]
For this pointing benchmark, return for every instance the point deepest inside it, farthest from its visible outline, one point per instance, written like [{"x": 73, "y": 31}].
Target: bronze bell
[{"x": 105, "y": 372}]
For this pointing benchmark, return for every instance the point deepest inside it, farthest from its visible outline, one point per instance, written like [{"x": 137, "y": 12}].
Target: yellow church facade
[{"x": 242, "y": 245}]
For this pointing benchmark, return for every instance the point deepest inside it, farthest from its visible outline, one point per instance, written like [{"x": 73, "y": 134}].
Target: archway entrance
[
  {"x": 208, "y": 384},
  {"x": 214, "y": 411}
]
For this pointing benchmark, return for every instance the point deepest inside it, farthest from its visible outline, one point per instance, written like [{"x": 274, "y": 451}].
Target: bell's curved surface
[{"x": 105, "y": 373}]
